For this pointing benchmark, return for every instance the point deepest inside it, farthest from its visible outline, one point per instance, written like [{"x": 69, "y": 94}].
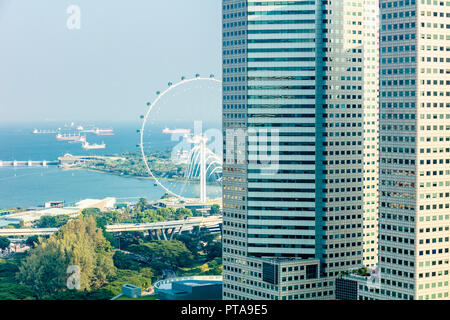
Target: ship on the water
[
  {"x": 88, "y": 146},
  {"x": 181, "y": 131},
  {"x": 90, "y": 129},
  {"x": 82, "y": 140},
  {"x": 37, "y": 131},
  {"x": 104, "y": 132},
  {"x": 69, "y": 137}
]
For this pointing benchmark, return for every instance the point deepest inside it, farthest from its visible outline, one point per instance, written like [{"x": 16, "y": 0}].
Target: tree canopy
[
  {"x": 52, "y": 221},
  {"x": 4, "y": 243},
  {"x": 79, "y": 243},
  {"x": 173, "y": 253}
]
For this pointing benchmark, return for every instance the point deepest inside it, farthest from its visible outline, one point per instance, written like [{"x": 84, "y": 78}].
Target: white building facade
[{"x": 415, "y": 149}]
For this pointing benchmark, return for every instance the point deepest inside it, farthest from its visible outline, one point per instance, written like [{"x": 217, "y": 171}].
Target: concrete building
[
  {"x": 190, "y": 288},
  {"x": 300, "y": 121},
  {"x": 414, "y": 149},
  {"x": 27, "y": 218}
]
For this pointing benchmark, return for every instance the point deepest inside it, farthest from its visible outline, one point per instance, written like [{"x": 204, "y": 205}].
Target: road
[{"x": 175, "y": 226}]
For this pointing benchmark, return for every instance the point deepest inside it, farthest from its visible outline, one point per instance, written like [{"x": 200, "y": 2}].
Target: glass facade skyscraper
[{"x": 300, "y": 121}]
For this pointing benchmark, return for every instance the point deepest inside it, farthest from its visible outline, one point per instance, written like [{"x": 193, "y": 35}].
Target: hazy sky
[{"x": 123, "y": 53}]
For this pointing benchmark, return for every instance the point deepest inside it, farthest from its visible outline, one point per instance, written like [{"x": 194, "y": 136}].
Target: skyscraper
[
  {"x": 300, "y": 121},
  {"x": 415, "y": 149}
]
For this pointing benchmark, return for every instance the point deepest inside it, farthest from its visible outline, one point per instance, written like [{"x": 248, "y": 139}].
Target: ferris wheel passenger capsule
[
  {"x": 183, "y": 78},
  {"x": 158, "y": 93},
  {"x": 211, "y": 75},
  {"x": 169, "y": 84},
  {"x": 197, "y": 75}
]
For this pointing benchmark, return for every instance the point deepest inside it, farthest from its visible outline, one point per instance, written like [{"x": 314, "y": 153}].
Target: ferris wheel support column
[{"x": 203, "y": 170}]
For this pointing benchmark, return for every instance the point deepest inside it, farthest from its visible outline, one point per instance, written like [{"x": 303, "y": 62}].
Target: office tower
[
  {"x": 300, "y": 122},
  {"x": 414, "y": 149}
]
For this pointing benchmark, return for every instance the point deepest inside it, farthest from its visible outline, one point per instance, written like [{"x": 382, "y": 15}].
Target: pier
[
  {"x": 30, "y": 163},
  {"x": 66, "y": 161}
]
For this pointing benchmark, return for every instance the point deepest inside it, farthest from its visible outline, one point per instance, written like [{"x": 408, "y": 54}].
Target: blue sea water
[{"x": 25, "y": 187}]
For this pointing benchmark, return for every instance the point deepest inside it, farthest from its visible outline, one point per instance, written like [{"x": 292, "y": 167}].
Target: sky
[{"x": 123, "y": 52}]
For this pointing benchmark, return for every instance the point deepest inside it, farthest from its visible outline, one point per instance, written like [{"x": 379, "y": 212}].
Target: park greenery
[
  {"x": 78, "y": 243},
  {"x": 131, "y": 164},
  {"x": 4, "y": 243},
  {"x": 142, "y": 212},
  {"x": 106, "y": 261},
  {"x": 52, "y": 221}
]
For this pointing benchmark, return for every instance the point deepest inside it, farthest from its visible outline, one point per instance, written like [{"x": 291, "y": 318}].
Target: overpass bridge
[
  {"x": 157, "y": 230},
  {"x": 166, "y": 230},
  {"x": 27, "y": 232}
]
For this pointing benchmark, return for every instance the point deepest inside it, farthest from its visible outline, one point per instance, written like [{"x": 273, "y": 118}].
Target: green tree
[
  {"x": 191, "y": 242},
  {"x": 32, "y": 241},
  {"x": 53, "y": 221},
  {"x": 44, "y": 270},
  {"x": 124, "y": 261},
  {"x": 142, "y": 279},
  {"x": 215, "y": 209},
  {"x": 81, "y": 243},
  {"x": 173, "y": 253},
  {"x": 141, "y": 205},
  {"x": 182, "y": 213},
  {"x": 4, "y": 243},
  {"x": 91, "y": 212},
  {"x": 213, "y": 250},
  {"x": 14, "y": 291}
]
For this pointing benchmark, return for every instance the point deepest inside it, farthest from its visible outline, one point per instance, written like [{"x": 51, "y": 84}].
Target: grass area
[
  {"x": 196, "y": 269},
  {"x": 201, "y": 269},
  {"x": 154, "y": 297}
]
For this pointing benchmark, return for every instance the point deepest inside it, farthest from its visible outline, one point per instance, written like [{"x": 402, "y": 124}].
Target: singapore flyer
[{"x": 180, "y": 146}]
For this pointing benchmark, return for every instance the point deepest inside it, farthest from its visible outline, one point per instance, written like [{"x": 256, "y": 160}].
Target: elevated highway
[
  {"x": 27, "y": 232},
  {"x": 159, "y": 230}
]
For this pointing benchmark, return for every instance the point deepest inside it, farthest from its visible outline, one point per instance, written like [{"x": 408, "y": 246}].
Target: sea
[{"x": 33, "y": 186}]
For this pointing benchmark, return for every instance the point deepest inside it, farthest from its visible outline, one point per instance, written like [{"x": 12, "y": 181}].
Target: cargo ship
[
  {"x": 181, "y": 131},
  {"x": 82, "y": 140},
  {"x": 104, "y": 132},
  {"x": 88, "y": 146},
  {"x": 37, "y": 131},
  {"x": 68, "y": 137}
]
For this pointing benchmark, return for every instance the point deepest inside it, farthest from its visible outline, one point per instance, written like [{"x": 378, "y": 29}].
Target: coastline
[{"x": 127, "y": 175}]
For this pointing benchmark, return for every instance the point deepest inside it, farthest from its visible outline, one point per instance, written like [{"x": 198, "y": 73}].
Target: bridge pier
[
  {"x": 172, "y": 232},
  {"x": 164, "y": 234}
]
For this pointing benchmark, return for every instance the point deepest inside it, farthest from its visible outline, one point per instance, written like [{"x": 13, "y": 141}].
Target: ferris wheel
[{"x": 201, "y": 162}]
